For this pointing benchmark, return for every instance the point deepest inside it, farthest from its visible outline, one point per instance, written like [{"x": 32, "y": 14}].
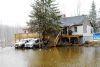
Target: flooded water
[{"x": 52, "y": 57}]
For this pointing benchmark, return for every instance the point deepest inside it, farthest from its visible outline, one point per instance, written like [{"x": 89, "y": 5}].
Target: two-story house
[{"x": 77, "y": 29}]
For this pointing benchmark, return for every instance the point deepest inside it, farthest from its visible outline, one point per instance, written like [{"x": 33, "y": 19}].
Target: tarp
[{"x": 96, "y": 36}]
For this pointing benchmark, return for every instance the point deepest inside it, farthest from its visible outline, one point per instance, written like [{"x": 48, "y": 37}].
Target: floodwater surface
[{"x": 52, "y": 57}]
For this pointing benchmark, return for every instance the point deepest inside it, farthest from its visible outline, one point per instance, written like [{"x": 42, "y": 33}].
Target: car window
[
  {"x": 37, "y": 41},
  {"x": 22, "y": 40},
  {"x": 40, "y": 40},
  {"x": 32, "y": 41},
  {"x": 27, "y": 40}
]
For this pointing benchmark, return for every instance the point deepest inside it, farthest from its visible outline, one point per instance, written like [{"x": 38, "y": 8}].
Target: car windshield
[
  {"x": 32, "y": 40},
  {"x": 23, "y": 40}
]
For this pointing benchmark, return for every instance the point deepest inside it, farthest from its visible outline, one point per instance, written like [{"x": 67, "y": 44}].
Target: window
[
  {"x": 37, "y": 41},
  {"x": 75, "y": 29}
]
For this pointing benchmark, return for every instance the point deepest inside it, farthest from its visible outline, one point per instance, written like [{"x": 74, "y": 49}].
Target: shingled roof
[{"x": 76, "y": 20}]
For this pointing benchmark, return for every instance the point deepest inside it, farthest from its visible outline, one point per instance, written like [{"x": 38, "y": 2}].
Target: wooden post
[
  {"x": 78, "y": 40},
  {"x": 67, "y": 30},
  {"x": 69, "y": 39}
]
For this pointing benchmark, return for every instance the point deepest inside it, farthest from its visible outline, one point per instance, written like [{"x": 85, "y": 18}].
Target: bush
[{"x": 86, "y": 42}]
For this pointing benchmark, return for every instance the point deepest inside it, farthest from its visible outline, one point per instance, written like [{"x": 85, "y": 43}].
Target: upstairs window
[{"x": 75, "y": 29}]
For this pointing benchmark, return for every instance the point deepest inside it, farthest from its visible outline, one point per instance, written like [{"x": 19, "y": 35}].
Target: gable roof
[{"x": 76, "y": 20}]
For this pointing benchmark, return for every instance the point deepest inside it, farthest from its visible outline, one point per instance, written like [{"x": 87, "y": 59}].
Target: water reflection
[{"x": 52, "y": 57}]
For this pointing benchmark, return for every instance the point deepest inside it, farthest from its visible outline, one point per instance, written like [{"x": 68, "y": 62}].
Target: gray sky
[{"x": 15, "y": 12}]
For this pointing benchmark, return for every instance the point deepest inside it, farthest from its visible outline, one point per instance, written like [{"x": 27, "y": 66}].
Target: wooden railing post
[
  {"x": 78, "y": 40},
  {"x": 69, "y": 39}
]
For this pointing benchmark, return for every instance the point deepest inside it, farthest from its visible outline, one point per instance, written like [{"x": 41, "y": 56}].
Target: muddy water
[{"x": 52, "y": 57}]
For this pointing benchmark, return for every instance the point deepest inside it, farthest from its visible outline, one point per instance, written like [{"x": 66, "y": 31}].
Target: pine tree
[
  {"x": 45, "y": 17},
  {"x": 92, "y": 16}
]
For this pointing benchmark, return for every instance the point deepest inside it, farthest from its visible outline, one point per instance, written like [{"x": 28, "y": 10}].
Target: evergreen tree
[
  {"x": 45, "y": 17},
  {"x": 92, "y": 16}
]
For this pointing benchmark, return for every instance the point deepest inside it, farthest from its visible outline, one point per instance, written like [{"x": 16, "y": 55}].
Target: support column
[
  {"x": 78, "y": 40},
  {"x": 69, "y": 39},
  {"x": 67, "y": 30}
]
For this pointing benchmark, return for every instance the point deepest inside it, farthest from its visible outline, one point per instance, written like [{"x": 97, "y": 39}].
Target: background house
[
  {"x": 79, "y": 25},
  {"x": 98, "y": 25}
]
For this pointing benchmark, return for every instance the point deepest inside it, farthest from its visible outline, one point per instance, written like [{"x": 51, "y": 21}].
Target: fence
[{"x": 20, "y": 36}]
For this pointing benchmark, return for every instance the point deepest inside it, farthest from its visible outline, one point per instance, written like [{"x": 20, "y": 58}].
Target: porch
[{"x": 70, "y": 39}]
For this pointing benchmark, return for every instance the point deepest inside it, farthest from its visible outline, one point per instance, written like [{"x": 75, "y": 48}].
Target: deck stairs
[{"x": 57, "y": 38}]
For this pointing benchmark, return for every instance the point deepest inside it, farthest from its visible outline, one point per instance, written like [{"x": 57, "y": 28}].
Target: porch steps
[{"x": 57, "y": 39}]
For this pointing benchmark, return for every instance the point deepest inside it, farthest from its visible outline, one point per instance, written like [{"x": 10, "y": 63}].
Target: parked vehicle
[
  {"x": 36, "y": 43},
  {"x": 21, "y": 43},
  {"x": 30, "y": 43}
]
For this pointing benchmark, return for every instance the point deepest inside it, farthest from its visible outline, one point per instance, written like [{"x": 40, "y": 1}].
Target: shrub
[{"x": 86, "y": 42}]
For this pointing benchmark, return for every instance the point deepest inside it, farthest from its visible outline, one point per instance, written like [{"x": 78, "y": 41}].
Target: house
[
  {"x": 76, "y": 29},
  {"x": 98, "y": 25}
]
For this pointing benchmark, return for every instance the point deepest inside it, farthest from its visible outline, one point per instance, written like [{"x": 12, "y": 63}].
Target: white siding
[
  {"x": 88, "y": 33},
  {"x": 79, "y": 30},
  {"x": 88, "y": 36}
]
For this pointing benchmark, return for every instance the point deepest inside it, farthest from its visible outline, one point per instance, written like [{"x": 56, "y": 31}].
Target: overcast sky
[{"x": 15, "y": 12}]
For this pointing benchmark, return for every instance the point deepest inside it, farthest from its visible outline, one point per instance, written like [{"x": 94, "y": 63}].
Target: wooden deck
[{"x": 69, "y": 37}]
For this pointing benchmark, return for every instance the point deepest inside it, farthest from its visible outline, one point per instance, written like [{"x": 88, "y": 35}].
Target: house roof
[{"x": 76, "y": 20}]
